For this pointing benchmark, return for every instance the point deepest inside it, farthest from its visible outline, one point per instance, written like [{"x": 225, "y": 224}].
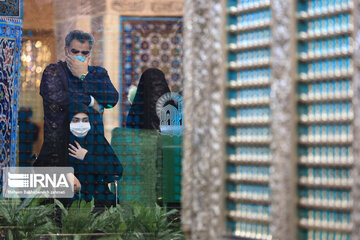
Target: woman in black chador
[
  {"x": 94, "y": 161},
  {"x": 151, "y": 87}
]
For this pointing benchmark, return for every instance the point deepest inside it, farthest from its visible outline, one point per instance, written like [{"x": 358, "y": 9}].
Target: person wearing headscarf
[
  {"x": 94, "y": 161},
  {"x": 142, "y": 113}
]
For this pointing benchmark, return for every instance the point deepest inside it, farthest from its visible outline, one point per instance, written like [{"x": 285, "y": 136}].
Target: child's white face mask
[{"x": 80, "y": 129}]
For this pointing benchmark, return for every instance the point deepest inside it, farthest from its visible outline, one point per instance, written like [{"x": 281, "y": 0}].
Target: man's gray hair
[{"x": 79, "y": 35}]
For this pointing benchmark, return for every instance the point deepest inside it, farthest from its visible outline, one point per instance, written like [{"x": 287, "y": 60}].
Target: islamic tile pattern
[
  {"x": 10, "y": 8},
  {"x": 10, "y": 47},
  {"x": 146, "y": 43}
]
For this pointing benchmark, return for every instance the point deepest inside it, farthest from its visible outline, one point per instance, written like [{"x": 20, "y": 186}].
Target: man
[{"x": 72, "y": 81}]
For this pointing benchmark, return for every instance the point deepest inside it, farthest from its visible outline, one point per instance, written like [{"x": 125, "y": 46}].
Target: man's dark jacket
[{"x": 58, "y": 89}]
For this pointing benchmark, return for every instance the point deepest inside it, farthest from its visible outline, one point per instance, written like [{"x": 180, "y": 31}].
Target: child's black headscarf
[{"x": 75, "y": 108}]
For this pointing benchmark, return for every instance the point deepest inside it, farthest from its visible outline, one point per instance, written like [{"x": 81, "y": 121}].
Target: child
[{"x": 94, "y": 161}]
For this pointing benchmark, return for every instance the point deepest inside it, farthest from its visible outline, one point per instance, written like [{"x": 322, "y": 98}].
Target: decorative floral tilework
[
  {"x": 10, "y": 8},
  {"x": 146, "y": 43},
  {"x": 10, "y": 49}
]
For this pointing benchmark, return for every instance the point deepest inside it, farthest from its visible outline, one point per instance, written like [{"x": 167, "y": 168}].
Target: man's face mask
[
  {"x": 80, "y": 58},
  {"x": 80, "y": 129}
]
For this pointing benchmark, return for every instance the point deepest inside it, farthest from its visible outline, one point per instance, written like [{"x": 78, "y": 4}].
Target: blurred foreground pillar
[
  {"x": 203, "y": 163},
  {"x": 283, "y": 168}
]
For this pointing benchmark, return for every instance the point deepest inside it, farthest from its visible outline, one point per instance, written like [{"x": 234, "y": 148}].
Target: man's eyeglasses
[{"x": 75, "y": 51}]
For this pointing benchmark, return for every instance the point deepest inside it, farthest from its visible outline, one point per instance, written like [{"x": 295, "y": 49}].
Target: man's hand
[
  {"x": 97, "y": 107},
  {"x": 77, "y": 67},
  {"x": 77, "y": 152},
  {"x": 77, "y": 184}
]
